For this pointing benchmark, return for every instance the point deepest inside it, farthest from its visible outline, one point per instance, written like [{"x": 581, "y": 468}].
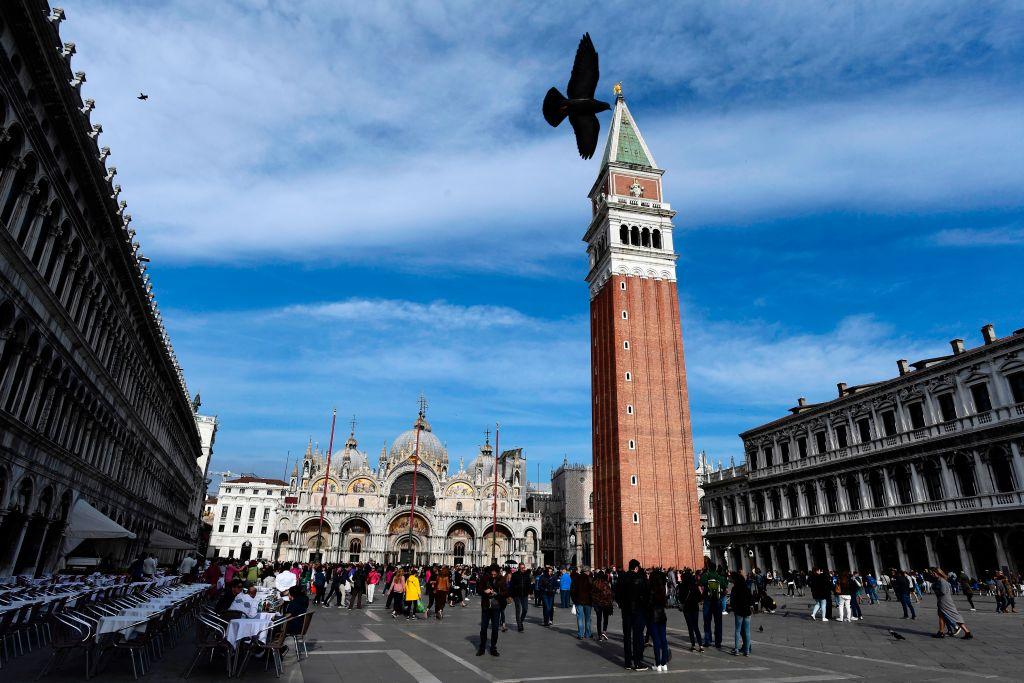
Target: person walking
[
  {"x": 397, "y": 595},
  {"x": 742, "y": 607},
  {"x": 442, "y": 586},
  {"x": 901, "y": 587},
  {"x": 885, "y": 581},
  {"x": 713, "y": 585},
  {"x": 856, "y": 586},
  {"x": 948, "y": 613},
  {"x": 412, "y": 594},
  {"x": 372, "y": 579},
  {"x": 355, "y": 598},
  {"x": 581, "y": 599},
  {"x": 821, "y": 589},
  {"x": 548, "y": 587},
  {"x": 493, "y": 594},
  {"x": 565, "y": 586},
  {"x": 691, "y": 595},
  {"x": 633, "y": 595},
  {"x": 520, "y": 587},
  {"x": 658, "y": 623},
  {"x": 968, "y": 592},
  {"x": 843, "y": 592},
  {"x": 319, "y": 585},
  {"x": 871, "y": 589},
  {"x": 603, "y": 599}
]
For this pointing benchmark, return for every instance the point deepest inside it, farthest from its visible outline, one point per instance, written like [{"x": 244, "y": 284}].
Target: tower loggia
[{"x": 646, "y": 504}]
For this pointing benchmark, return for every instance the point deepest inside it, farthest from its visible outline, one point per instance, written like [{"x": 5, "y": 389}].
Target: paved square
[{"x": 369, "y": 645}]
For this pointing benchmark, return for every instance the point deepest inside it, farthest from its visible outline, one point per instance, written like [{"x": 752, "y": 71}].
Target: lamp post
[
  {"x": 415, "y": 470},
  {"x": 494, "y": 522}
]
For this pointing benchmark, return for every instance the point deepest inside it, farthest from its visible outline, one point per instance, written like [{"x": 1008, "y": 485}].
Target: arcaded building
[
  {"x": 923, "y": 469},
  {"x": 401, "y": 511},
  {"x": 93, "y": 406},
  {"x": 645, "y": 490}
]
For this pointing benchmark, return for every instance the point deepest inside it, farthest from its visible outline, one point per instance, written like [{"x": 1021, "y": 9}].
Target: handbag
[{"x": 492, "y": 603}]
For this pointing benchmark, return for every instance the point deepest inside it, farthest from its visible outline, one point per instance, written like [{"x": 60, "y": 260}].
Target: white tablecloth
[
  {"x": 246, "y": 628},
  {"x": 120, "y": 623}
]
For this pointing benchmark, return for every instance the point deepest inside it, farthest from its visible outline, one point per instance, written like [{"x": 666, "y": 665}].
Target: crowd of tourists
[{"x": 644, "y": 597}]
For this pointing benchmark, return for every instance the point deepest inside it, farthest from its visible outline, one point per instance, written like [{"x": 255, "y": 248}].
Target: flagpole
[
  {"x": 494, "y": 523},
  {"x": 415, "y": 471},
  {"x": 327, "y": 478}
]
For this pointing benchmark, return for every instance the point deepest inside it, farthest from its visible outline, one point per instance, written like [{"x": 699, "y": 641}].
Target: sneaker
[
  {"x": 973, "y": 610},
  {"x": 969, "y": 636},
  {"x": 480, "y": 652},
  {"x": 824, "y": 618},
  {"x": 494, "y": 652},
  {"x": 642, "y": 667}
]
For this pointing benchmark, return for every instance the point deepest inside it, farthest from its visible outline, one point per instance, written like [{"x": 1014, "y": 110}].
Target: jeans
[
  {"x": 633, "y": 626},
  {"x": 410, "y": 608},
  {"x": 855, "y": 605},
  {"x": 904, "y": 599},
  {"x": 521, "y": 605},
  {"x": 844, "y": 607},
  {"x": 742, "y": 629},
  {"x": 713, "y": 611},
  {"x": 549, "y": 608},
  {"x": 692, "y": 627},
  {"x": 440, "y": 600},
  {"x": 583, "y": 621},
  {"x": 602, "y": 614},
  {"x": 490, "y": 617},
  {"x": 355, "y": 599},
  {"x": 565, "y": 599},
  {"x": 873, "y": 595},
  {"x": 819, "y": 606},
  {"x": 659, "y": 639}
]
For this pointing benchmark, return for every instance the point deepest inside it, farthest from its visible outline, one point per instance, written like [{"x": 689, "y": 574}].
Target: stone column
[
  {"x": 916, "y": 483},
  {"x": 758, "y": 557},
  {"x": 791, "y": 555},
  {"x": 948, "y": 485},
  {"x": 801, "y": 500},
  {"x": 933, "y": 559},
  {"x": 808, "y": 556},
  {"x": 1001, "y": 558},
  {"x": 829, "y": 557},
  {"x": 819, "y": 492},
  {"x": 745, "y": 558},
  {"x": 862, "y": 490},
  {"x": 965, "y": 558},
  {"x": 874, "y": 557},
  {"x": 850, "y": 556},
  {"x": 1018, "y": 465},
  {"x": 842, "y": 504},
  {"x": 890, "y": 499},
  {"x": 769, "y": 510},
  {"x": 787, "y": 511},
  {"x": 775, "y": 557},
  {"x": 902, "y": 552}
]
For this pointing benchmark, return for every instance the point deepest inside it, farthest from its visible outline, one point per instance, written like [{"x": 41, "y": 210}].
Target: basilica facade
[{"x": 412, "y": 507}]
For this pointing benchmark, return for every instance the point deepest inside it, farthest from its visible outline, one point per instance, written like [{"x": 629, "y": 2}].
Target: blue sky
[{"x": 349, "y": 203}]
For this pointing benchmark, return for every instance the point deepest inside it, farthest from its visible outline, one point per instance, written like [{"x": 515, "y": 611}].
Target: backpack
[{"x": 714, "y": 588}]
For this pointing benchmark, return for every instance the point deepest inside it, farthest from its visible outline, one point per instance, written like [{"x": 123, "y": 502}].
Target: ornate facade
[
  {"x": 645, "y": 487},
  {"x": 368, "y": 509},
  {"x": 925, "y": 469},
  {"x": 93, "y": 405}
]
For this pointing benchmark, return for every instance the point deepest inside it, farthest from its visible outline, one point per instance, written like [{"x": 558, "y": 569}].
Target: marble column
[
  {"x": 982, "y": 472},
  {"x": 965, "y": 557},
  {"x": 801, "y": 500},
  {"x": 842, "y": 504},
  {"x": 758, "y": 557},
  {"x": 791, "y": 555},
  {"x": 829, "y": 557},
  {"x": 862, "y": 489},
  {"x": 745, "y": 558},
  {"x": 933, "y": 559},
  {"x": 1018, "y": 465},
  {"x": 890, "y": 498},
  {"x": 775, "y": 557},
  {"x": 819, "y": 492},
  {"x": 902, "y": 552},
  {"x": 808, "y": 556},
  {"x": 874, "y": 557},
  {"x": 915, "y": 482},
  {"x": 948, "y": 485},
  {"x": 850, "y": 556},
  {"x": 1001, "y": 558},
  {"x": 787, "y": 511}
]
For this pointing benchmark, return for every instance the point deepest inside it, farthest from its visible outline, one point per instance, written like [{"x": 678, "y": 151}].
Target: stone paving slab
[{"x": 368, "y": 645}]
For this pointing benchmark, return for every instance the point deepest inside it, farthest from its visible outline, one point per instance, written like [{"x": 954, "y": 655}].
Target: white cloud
[{"x": 1001, "y": 236}]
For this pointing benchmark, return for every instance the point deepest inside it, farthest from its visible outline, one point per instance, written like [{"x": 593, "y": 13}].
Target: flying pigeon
[
  {"x": 580, "y": 106},
  {"x": 895, "y": 635},
  {"x": 142, "y": 96}
]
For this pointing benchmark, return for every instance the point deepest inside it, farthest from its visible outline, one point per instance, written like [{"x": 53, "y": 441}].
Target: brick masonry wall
[{"x": 665, "y": 495}]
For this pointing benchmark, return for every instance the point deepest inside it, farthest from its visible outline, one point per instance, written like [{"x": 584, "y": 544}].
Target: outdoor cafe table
[{"x": 247, "y": 628}]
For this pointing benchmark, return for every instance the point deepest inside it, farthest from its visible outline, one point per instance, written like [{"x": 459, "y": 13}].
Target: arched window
[
  {"x": 459, "y": 552},
  {"x": 355, "y": 546},
  {"x": 933, "y": 480},
  {"x": 624, "y": 234},
  {"x": 645, "y": 237},
  {"x": 811, "y": 494},
  {"x": 656, "y": 239},
  {"x": 852, "y": 487},
  {"x": 458, "y": 506},
  {"x": 794, "y": 501},
  {"x": 362, "y": 502},
  {"x": 634, "y": 236},
  {"x": 877, "y": 487},
  {"x": 831, "y": 496},
  {"x": 901, "y": 480},
  {"x": 1002, "y": 471},
  {"x": 965, "y": 478}
]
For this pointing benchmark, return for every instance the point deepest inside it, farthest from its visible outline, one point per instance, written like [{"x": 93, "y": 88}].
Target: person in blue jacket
[{"x": 565, "y": 584}]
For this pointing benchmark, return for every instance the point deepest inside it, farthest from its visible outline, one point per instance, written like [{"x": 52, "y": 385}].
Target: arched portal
[
  {"x": 246, "y": 551},
  {"x": 409, "y": 542},
  {"x": 315, "y": 540}
]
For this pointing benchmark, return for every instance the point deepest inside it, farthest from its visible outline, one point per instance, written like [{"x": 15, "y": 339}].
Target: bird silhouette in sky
[
  {"x": 580, "y": 105},
  {"x": 142, "y": 96}
]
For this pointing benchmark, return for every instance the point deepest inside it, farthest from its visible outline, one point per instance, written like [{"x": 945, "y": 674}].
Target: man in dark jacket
[
  {"x": 493, "y": 594},
  {"x": 582, "y": 598},
  {"x": 633, "y": 595},
  {"x": 548, "y": 587},
  {"x": 355, "y": 598},
  {"x": 520, "y": 587}
]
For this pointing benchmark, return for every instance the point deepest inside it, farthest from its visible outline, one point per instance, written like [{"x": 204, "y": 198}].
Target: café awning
[
  {"x": 85, "y": 521},
  {"x": 158, "y": 539}
]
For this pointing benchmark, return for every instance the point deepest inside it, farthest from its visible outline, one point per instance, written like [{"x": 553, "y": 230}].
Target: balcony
[
  {"x": 948, "y": 506},
  {"x": 967, "y": 424}
]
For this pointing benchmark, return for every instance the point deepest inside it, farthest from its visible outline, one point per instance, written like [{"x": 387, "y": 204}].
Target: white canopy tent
[
  {"x": 158, "y": 539},
  {"x": 85, "y": 521}
]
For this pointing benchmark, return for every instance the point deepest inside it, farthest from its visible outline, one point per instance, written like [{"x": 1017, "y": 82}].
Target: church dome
[{"x": 431, "y": 448}]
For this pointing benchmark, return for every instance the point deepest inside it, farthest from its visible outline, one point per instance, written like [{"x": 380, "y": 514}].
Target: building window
[
  {"x": 231, "y": 553},
  {"x": 841, "y": 436},
  {"x": 889, "y": 423},
  {"x": 636, "y": 518},
  {"x": 784, "y": 451},
  {"x": 622, "y": 285},
  {"x": 916, "y": 412},
  {"x": 458, "y": 507},
  {"x": 947, "y": 408},
  {"x": 864, "y": 429},
  {"x": 259, "y": 554},
  {"x": 220, "y": 528},
  {"x": 266, "y": 514},
  {"x": 801, "y": 447},
  {"x": 252, "y": 514},
  {"x": 632, "y": 480},
  {"x": 629, "y": 377},
  {"x": 362, "y": 502},
  {"x": 625, "y": 345},
  {"x": 769, "y": 457},
  {"x": 629, "y": 410},
  {"x": 625, "y": 315},
  {"x": 982, "y": 402},
  {"x": 238, "y": 512},
  {"x": 656, "y": 236},
  {"x": 234, "y": 529},
  {"x": 227, "y": 490},
  {"x": 223, "y": 511},
  {"x": 1015, "y": 380},
  {"x": 632, "y": 445},
  {"x": 263, "y": 531},
  {"x": 624, "y": 235},
  {"x": 819, "y": 442}
]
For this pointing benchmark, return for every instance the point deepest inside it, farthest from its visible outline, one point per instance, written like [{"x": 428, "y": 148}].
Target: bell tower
[{"x": 645, "y": 488}]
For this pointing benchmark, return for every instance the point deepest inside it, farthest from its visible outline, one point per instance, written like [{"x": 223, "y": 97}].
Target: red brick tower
[{"x": 645, "y": 487}]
